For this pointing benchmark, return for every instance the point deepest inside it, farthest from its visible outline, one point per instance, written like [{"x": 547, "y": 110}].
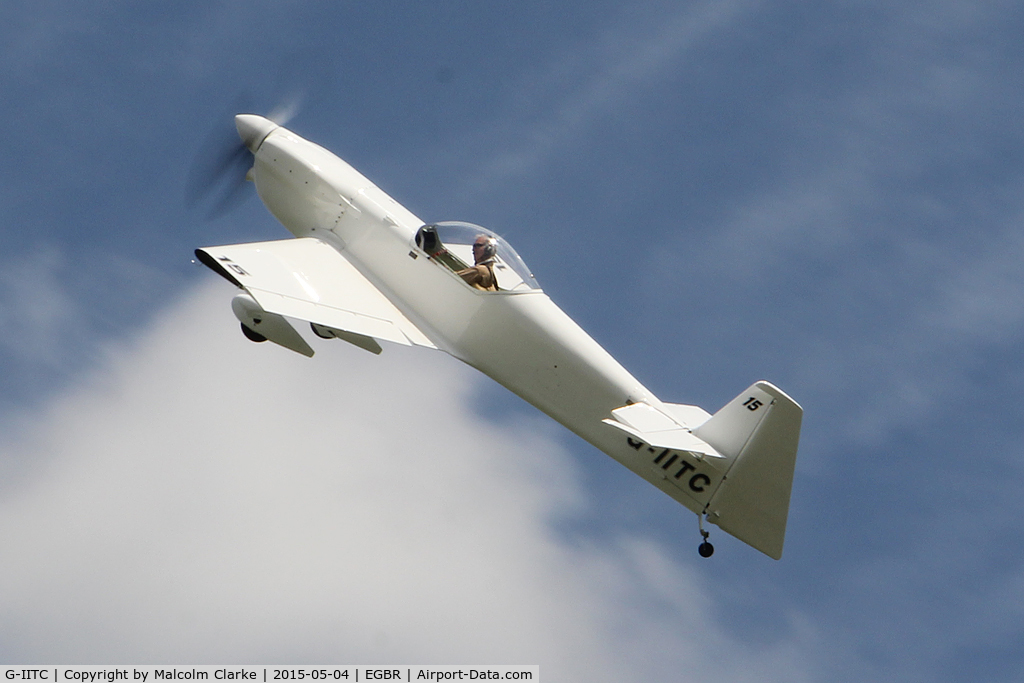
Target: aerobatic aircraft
[{"x": 363, "y": 269}]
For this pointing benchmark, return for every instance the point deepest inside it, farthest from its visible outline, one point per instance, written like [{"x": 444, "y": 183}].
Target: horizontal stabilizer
[
  {"x": 667, "y": 454},
  {"x": 658, "y": 429}
]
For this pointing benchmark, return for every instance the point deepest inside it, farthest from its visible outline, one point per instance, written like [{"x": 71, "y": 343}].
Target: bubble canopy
[{"x": 455, "y": 239}]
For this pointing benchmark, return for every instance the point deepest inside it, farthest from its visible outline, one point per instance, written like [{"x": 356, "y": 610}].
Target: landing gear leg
[{"x": 705, "y": 549}]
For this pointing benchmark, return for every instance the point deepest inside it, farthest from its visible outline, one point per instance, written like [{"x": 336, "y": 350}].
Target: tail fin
[{"x": 759, "y": 430}]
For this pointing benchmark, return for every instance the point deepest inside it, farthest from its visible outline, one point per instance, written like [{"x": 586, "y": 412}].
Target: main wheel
[
  {"x": 706, "y": 549},
  {"x": 252, "y": 335},
  {"x": 322, "y": 332}
]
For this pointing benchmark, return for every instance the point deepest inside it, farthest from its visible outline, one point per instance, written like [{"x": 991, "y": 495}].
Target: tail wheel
[{"x": 705, "y": 549}]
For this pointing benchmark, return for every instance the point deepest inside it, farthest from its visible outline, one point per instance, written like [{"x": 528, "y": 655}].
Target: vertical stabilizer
[{"x": 760, "y": 429}]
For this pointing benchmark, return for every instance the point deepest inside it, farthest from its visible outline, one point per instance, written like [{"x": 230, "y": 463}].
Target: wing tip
[{"x": 210, "y": 262}]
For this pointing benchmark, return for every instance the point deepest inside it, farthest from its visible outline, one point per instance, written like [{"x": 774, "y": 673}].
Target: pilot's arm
[{"x": 479, "y": 276}]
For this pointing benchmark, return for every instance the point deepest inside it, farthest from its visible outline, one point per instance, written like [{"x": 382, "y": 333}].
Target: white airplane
[{"x": 362, "y": 268}]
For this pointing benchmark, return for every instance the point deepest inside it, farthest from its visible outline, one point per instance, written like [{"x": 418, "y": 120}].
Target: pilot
[{"x": 481, "y": 274}]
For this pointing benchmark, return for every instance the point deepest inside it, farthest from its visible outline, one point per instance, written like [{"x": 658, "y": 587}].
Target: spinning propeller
[{"x": 219, "y": 172}]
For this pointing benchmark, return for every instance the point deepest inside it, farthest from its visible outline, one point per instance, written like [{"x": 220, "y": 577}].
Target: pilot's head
[{"x": 484, "y": 247}]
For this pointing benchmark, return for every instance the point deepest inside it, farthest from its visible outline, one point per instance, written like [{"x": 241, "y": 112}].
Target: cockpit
[{"x": 451, "y": 244}]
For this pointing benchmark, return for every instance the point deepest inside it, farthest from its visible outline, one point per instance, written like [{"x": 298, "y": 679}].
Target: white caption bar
[{"x": 266, "y": 673}]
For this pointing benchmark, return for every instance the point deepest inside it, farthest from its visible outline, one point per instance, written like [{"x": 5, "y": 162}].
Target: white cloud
[
  {"x": 204, "y": 499},
  {"x": 35, "y": 311}
]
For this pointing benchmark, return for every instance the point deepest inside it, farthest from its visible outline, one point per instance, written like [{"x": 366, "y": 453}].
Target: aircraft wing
[{"x": 310, "y": 280}]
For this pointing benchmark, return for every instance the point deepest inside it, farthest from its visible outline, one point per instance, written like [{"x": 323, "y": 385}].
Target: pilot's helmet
[{"x": 489, "y": 247}]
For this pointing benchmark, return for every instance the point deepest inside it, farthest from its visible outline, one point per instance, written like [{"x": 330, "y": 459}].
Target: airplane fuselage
[{"x": 521, "y": 339}]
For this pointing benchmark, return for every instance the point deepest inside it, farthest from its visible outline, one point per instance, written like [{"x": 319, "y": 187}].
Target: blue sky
[{"x": 827, "y": 196}]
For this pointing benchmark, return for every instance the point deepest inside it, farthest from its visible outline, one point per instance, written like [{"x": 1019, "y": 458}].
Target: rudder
[{"x": 760, "y": 430}]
